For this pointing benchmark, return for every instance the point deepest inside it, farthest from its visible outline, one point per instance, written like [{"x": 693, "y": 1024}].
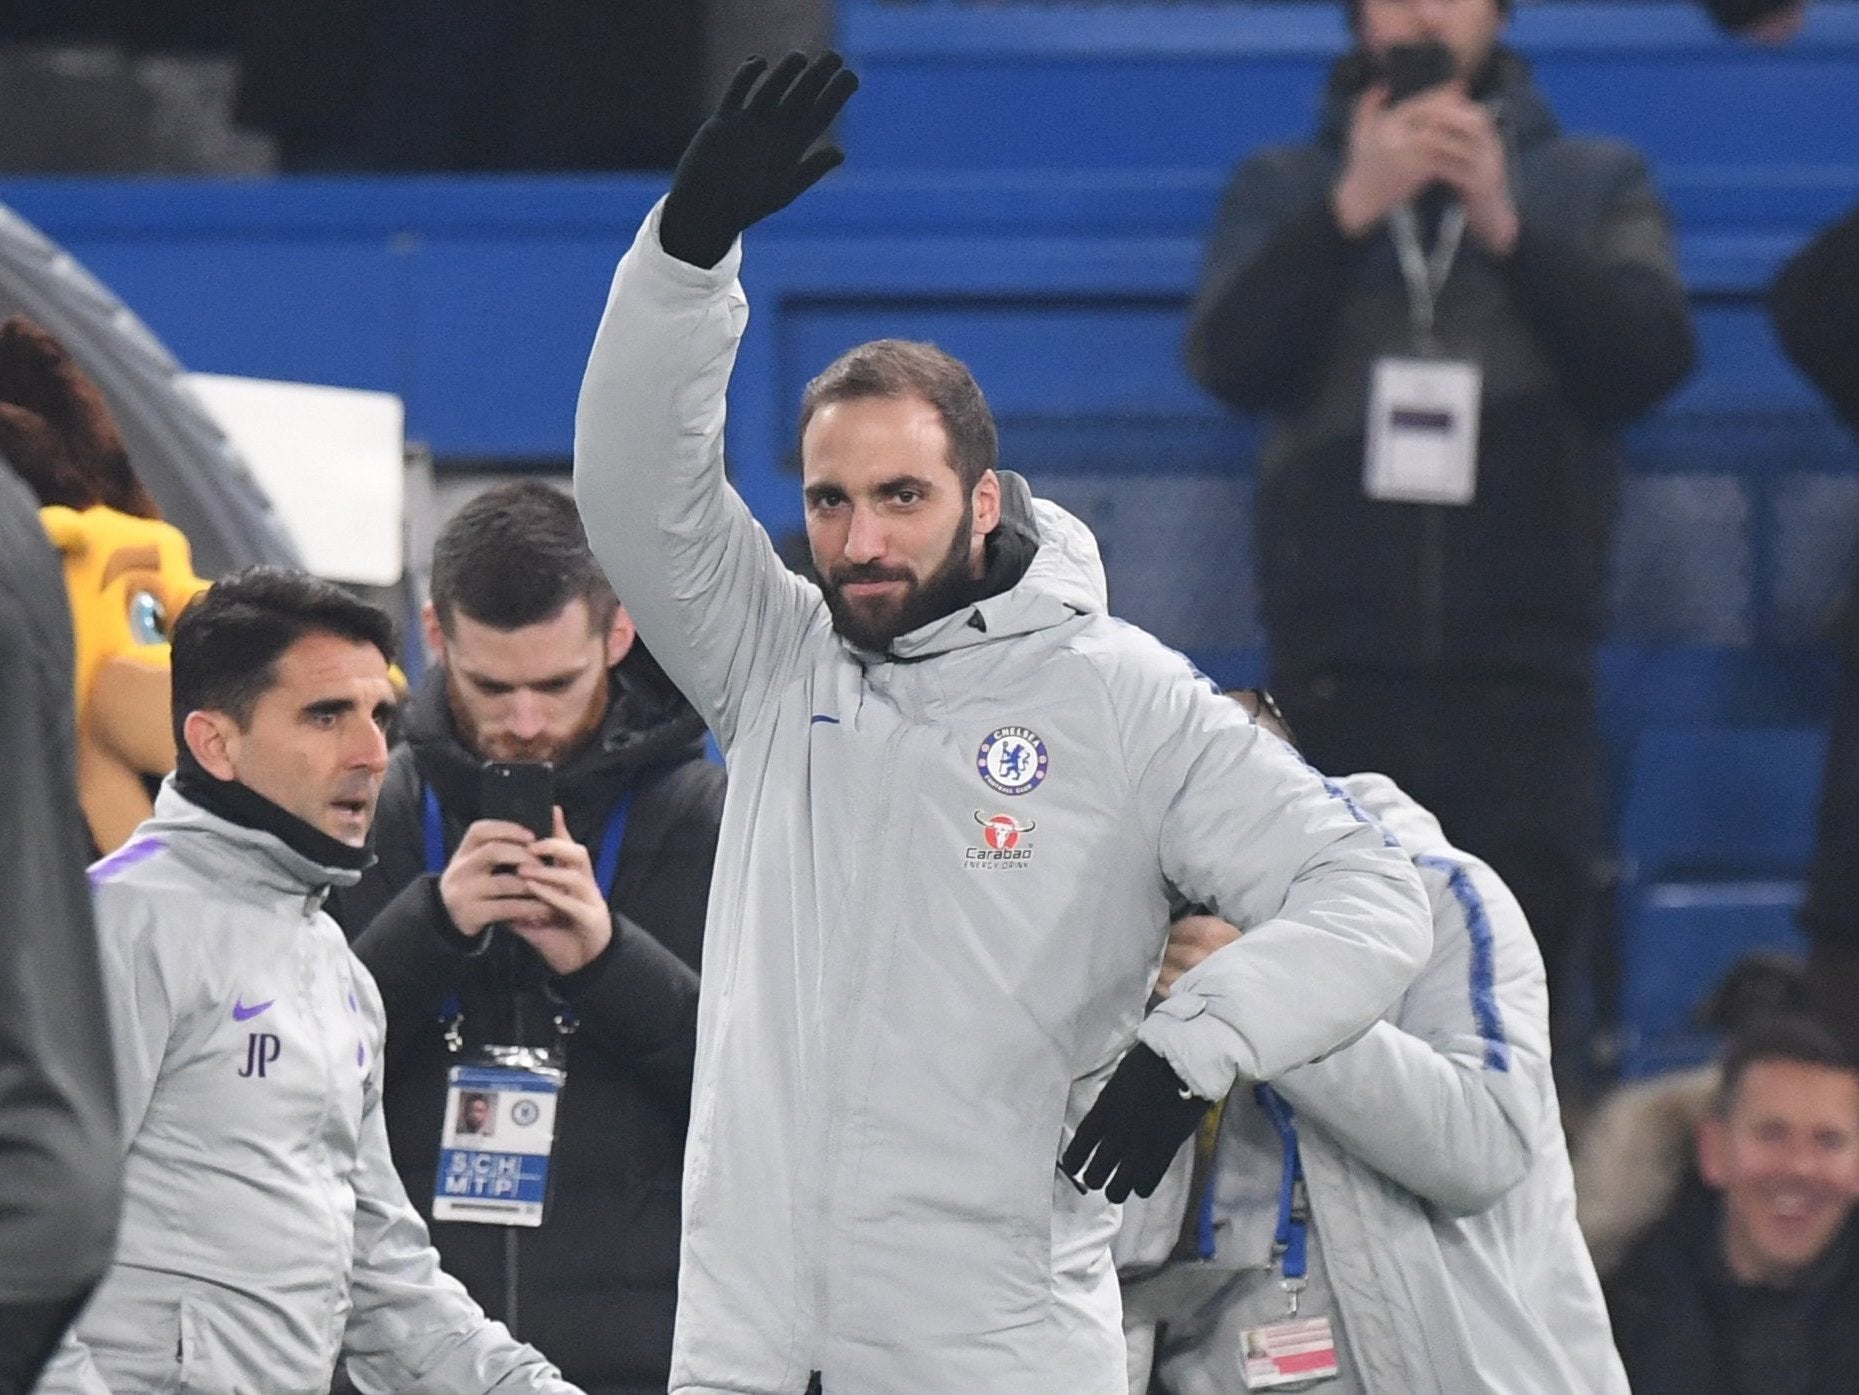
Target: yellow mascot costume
[{"x": 127, "y": 573}]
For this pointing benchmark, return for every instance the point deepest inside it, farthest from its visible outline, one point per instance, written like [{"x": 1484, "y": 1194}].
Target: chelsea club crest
[{"x": 1012, "y": 760}]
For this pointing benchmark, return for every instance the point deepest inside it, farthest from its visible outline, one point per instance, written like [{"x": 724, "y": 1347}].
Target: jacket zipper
[
  {"x": 1433, "y": 582},
  {"x": 512, "y": 1241},
  {"x": 826, "y": 1180}
]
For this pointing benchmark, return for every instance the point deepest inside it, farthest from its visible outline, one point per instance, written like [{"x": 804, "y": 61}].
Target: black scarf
[{"x": 245, "y": 806}]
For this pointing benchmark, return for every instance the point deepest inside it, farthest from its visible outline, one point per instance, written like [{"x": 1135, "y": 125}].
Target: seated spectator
[
  {"x": 1750, "y": 1284},
  {"x": 1439, "y": 1242},
  {"x": 1636, "y": 1150}
]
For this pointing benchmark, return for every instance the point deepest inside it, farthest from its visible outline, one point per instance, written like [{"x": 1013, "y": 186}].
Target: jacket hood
[
  {"x": 240, "y": 855},
  {"x": 1063, "y": 578},
  {"x": 1505, "y": 84},
  {"x": 1413, "y": 827},
  {"x": 647, "y": 723}
]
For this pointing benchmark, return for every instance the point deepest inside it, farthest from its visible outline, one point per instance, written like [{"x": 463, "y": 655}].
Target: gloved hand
[
  {"x": 1133, "y": 1132},
  {"x": 751, "y": 158}
]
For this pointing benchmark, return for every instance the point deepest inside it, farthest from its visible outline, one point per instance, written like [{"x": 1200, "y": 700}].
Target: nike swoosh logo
[{"x": 242, "y": 1013}]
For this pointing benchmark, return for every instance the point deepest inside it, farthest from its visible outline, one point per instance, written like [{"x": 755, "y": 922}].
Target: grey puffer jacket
[
  {"x": 941, "y": 887},
  {"x": 1442, "y": 1201},
  {"x": 265, "y": 1234}
]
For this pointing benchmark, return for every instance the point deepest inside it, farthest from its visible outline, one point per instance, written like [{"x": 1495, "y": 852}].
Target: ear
[
  {"x": 433, "y": 631},
  {"x": 1713, "y": 1150},
  {"x": 620, "y": 636},
  {"x": 213, "y": 738},
  {"x": 65, "y": 527},
  {"x": 987, "y": 502}
]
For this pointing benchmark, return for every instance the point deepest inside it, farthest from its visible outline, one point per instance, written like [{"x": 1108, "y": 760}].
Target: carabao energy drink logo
[{"x": 1004, "y": 840}]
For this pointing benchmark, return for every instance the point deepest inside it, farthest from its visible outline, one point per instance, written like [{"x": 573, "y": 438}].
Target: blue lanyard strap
[
  {"x": 1290, "y": 1243},
  {"x": 606, "y": 869},
  {"x": 606, "y": 864}
]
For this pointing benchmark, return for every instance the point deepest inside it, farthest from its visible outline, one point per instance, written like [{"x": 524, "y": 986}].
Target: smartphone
[
  {"x": 1410, "y": 69},
  {"x": 520, "y": 792}
]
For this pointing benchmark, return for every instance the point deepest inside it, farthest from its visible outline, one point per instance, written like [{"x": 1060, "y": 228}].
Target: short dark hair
[
  {"x": 227, "y": 642},
  {"x": 1782, "y": 1037},
  {"x": 516, "y": 555},
  {"x": 906, "y": 368}
]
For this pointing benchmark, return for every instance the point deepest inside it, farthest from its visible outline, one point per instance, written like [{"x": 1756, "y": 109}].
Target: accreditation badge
[
  {"x": 1422, "y": 431},
  {"x": 1287, "y": 1355},
  {"x": 497, "y": 1135}
]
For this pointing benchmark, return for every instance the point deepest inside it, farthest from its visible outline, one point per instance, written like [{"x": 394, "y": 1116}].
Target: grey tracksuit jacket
[
  {"x": 264, "y": 1231},
  {"x": 941, "y": 895},
  {"x": 1441, "y": 1195}
]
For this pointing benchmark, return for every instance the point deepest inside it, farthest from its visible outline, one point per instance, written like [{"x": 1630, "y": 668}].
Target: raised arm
[{"x": 699, "y": 575}]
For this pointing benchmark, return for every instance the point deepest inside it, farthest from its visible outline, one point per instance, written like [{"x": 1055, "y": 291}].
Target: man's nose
[
  {"x": 865, "y": 540},
  {"x": 372, "y": 751},
  {"x": 527, "y": 715}
]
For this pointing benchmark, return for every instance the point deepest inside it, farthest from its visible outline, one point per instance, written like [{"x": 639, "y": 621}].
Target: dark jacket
[
  {"x": 1815, "y": 308},
  {"x": 595, "y": 1286},
  {"x": 1685, "y": 1327},
  {"x": 59, "y": 1150},
  {"x": 1582, "y": 328}
]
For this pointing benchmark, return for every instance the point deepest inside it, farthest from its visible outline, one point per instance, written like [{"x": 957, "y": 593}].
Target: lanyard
[
  {"x": 1425, "y": 273},
  {"x": 1289, "y": 1244},
  {"x": 606, "y": 868},
  {"x": 1206, "y": 1145},
  {"x": 606, "y": 865}
]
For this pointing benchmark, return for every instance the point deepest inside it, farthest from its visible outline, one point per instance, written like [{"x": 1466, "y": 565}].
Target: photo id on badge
[
  {"x": 1287, "y": 1355},
  {"x": 1422, "y": 431},
  {"x": 494, "y": 1144}
]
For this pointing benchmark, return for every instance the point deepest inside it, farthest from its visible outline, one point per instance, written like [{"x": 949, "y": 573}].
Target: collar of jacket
[
  {"x": 1821, "y": 1274},
  {"x": 647, "y": 723},
  {"x": 1043, "y": 568},
  {"x": 291, "y": 855},
  {"x": 1505, "y": 83}
]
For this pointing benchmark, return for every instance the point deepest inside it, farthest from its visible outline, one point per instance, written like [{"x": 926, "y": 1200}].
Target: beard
[
  {"x": 874, "y": 624},
  {"x": 487, "y": 742}
]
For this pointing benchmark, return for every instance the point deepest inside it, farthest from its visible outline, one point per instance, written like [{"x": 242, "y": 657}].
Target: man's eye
[{"x": 907, "y": 496}]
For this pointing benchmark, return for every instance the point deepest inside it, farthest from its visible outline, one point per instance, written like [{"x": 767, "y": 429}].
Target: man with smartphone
[
  {"x": 1448, "y": 309},
  {"x": 535, "y": 920}
]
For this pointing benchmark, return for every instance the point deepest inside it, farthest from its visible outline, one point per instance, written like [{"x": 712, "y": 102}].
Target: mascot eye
[{"x": 148, "y": 618}]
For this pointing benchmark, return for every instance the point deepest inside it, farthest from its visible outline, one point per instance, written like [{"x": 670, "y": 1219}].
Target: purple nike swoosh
[{"x": 241, "y": 1013}]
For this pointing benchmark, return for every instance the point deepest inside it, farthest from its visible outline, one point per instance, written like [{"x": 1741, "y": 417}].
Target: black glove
[
  {"x": 1133, "y": 1132},
  {"x": 750, "y": 159}
]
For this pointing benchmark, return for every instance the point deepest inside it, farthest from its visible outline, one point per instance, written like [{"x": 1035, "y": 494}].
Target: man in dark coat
[
  {"x": 475, "y": 944},
  {"x": 59, "y": 1151},
  {"x": 1815, "y": 308},
  {"x": 1441, "y": 628},
  {"x": 1750, "y": 1284}
]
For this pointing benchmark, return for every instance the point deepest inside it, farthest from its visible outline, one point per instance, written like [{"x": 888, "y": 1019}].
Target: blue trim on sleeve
[{"x": 1485, "y": 1013}]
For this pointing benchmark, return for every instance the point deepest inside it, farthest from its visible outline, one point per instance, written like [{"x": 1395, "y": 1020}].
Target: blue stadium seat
[
  {"x": 1717, "y": 803},
  {"x": 1678, "y": 941},
  {"x": 1716, "y": 833}
]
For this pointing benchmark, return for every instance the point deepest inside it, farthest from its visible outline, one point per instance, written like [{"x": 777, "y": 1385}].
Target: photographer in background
[
  {"x": 1448, "y": 308},
  {"x": 485, "y": 955}
]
